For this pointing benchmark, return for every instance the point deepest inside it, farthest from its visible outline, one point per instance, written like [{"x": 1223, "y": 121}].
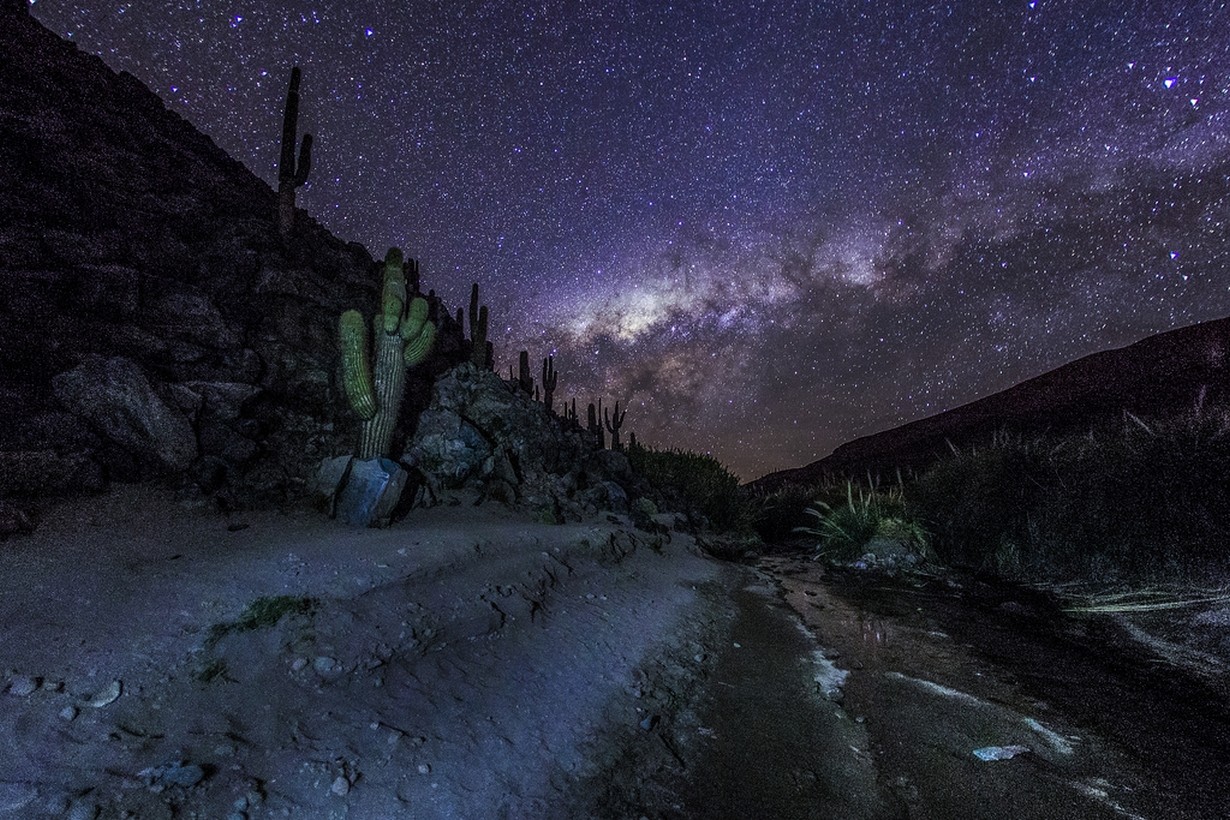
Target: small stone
[
  {"x": 424, "y": 768},
  {"x": 325, "y": 665},
  {"x": 82, "y": 810},
  {"x": 298, "y": 664},
  {"x": 69, "y": 713},
  {"x": 23, "y": 686},
  {"x": 340, "y": 787}
]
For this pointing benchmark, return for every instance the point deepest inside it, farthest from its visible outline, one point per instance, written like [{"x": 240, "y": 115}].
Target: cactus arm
[
  {"x": 356, "y": 367},
  {"x": 419, "y": 348},
  {"x": 304, "y": 166},
  {"x": 393, "y": 298}
]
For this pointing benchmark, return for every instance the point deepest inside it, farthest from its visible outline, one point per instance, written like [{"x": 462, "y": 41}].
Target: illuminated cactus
[
  {"x": 404, "y": 338},
  {"x": 478, "y": 331},
  {"x": 291, "y": 174},
  {"x": 613, "y": 426},
  {"x": 549, "y": 379}
]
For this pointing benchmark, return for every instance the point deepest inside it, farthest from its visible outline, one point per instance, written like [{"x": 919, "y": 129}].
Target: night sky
[{"x": 768, "y": 227}]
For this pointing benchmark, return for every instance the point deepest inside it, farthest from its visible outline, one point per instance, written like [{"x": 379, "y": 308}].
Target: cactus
[
  {"x": 570, "y": 412},
  {"x": 549, "y": 379},
  {"x": 613, "y": 426},
  {"x": 524, "y": 380},
  {"x": 404, "y": 338},
  {"x": 291, "y": 174},
  {"x": 594, "y": 423},
  {"x": 478, "y": 332}
]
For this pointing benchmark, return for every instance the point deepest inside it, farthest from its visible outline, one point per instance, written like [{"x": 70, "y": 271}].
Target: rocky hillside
[
  {"x": 1161, "y": 375},
  {"x": 151, "y": 320}
]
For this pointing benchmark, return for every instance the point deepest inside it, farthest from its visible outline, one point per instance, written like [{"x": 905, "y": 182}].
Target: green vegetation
[
  {"x": 871, "y": 520},
  {"x": 1138, "y": 501},
  {"x": 404, "y": 337},
  {"x": 262, "y": 613},
  {"x": 691, "y": 481}
]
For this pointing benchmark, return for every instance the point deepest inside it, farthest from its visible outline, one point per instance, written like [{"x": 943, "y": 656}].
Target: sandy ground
[
  {"x": 464, "y": 663},
  {"x": 469, "y": 663}
]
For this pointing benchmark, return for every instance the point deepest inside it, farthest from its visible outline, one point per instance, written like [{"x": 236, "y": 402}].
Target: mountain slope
[{"x": 1162, "y": 374}]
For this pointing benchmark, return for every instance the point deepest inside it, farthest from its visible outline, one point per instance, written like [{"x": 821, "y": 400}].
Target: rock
[
  {"x": 116, "y": 398},
  {"x": 185, "y": 775},
  {"x": 83, "y": 809},
  {"x": 106, "y": 696},
  {"x": 23, "y": 686},
  {"x": 371, "y": 492},
  {"x": 326, "y": 666},
  {"x": 992, "y": 753},
  {"x": 340, "y": 787},
  {"x": 69, "y": 713},
  {"x": 330, "y": 477},
  {"x": 299, "y": 664}
]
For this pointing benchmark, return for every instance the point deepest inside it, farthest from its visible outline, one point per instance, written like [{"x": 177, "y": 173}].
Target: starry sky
[{"x": 766, "y": 227}]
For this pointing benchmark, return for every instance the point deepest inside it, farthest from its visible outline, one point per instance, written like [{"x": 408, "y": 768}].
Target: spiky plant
[{"x": 404, "y": 338}]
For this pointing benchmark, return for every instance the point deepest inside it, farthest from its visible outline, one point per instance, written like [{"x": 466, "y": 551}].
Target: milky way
[{"x": 768, "y": 228}]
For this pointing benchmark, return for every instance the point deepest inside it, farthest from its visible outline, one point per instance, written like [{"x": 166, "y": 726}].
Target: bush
[
  {"x": 849, "y": 527},
  {"x": 1142, "y": 500},
  {"x": 692, "y": 482}
]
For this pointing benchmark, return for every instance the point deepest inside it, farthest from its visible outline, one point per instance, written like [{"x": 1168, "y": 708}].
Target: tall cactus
[
  {"x": 478, "y": 331},
  {"x": 291, "y": 174},
  {"x": 404, "y": 338},
  {"x": 524, "y": 380},
  {"x": 613, "y": 423},
  {"x": 550, "y": 378},
  {"x": 593, "y": 419}
]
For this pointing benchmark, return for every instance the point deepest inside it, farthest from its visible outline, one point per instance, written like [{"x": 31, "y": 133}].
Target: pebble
[
  {"x": 69, "y": 713},
  {"x": 424, "y": 768},
  {"x": 340, "y": 787},
  {"x": 82, "y": 810},
  {"x": 324, "y": 665},
  {"x": 23, "y": 685},
  {"x": 299, "y": 664}
]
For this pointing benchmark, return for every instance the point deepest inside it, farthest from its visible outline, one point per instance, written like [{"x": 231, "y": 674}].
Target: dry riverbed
[{"x": 160, "y": 661}]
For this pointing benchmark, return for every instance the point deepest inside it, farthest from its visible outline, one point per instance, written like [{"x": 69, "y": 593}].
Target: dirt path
[{"x": 469, "y": 663}]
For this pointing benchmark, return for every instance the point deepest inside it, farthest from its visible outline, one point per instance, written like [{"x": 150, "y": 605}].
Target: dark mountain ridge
[{"x": 1161, "y": 375}]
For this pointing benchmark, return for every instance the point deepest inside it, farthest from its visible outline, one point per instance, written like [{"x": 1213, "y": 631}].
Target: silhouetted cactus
[
  {"x": 404, "y": 338},
  {"x": 480, "y": 348},
  {"x": 549, "y": 379},
  {"x": 614, "y": 425},
  {"x": 570, "y": 412},
  {"x": 291, "y": 174},
  {"x": 524, "y": 380},
  {"x": 593, "y": 418}
]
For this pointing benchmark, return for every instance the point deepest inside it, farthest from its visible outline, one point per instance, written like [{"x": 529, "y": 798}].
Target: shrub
[
  {"x": 693, "y": 482},
  {"x": 1141, "y": 500},
  {"x": 848, "y": 528}
]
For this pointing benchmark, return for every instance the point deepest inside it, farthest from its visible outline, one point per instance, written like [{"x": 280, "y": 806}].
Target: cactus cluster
[
  {"x": 404, "y": 337},
  {"x": 291, "y": 174}
]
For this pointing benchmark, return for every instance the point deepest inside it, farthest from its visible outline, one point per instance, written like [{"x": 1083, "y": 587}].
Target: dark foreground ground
[
  {"x": 469, "y": 663},
  {"x": 932, "y": 669}
]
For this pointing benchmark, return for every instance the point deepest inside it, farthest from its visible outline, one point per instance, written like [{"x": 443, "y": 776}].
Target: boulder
[
  {"x": 370, "y": 492},
  {"x": 116, "y": 399}
]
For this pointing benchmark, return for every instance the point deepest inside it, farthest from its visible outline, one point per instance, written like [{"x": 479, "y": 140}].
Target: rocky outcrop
[
  {"x": 152, "y": 320},
  {"x": 480, "y": 433}
]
